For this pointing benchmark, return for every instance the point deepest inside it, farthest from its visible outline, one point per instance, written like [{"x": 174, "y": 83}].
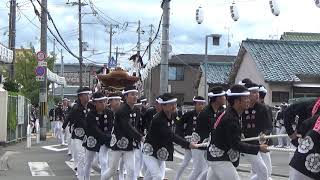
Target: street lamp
[{"x": 215, "y": 42}]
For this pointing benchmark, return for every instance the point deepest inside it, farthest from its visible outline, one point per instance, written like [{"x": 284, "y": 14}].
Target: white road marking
[
  {"x": 54, "y": 148},
  {"x": 71, "y": 165},
  {"x": 40, "y": 169}
]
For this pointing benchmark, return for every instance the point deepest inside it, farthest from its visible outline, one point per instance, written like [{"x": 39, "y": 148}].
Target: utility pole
[
  {"x": 149, "y": 80},
  {"x": 139, "y": 37},
  {"x": 110, "y": 41},
  {"x": 43, "y": 84},
  {"x": 117, "y": 51},
  {"x": 164, "y": 47},
  {"x": 12, "y": 34},
  {"x": 80, "y": 42},
  {"x": 53, "y": 69},
  {"x": 62, "y": 74}
]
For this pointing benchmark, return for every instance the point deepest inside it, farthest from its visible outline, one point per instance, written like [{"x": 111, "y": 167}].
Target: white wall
[{"x": 3, "y": 114}]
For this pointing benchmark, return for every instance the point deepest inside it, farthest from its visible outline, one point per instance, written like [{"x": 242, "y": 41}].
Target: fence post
[
  {"x": 28, "y": 136},
  {"x": 37, "y": 131}
]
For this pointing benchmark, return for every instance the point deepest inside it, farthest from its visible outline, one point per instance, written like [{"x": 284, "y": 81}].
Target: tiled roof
[
  {"x": 284, "y": 61},
  {"x": 197, "y": 59},
  {"x": 300, "y": 36},
  {"x": 218, "y": 73}
]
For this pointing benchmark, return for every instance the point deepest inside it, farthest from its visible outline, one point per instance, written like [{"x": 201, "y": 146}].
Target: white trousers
[
  {"x": 199, "y": 163},
  {"x": 259, "y": 168},
  {"x": 68, "y": 136},
  {"x": 296, "y": 175},
  {"x": 103, "y": 158},
  {"x": 59, "y": 132},
  {"x": 114, "y": 159},
  {"x": 138, "y": 162},
  {"x": 79, "y": 157},
  {"x": 282, "y": 141},
  {"x": 89, "y": 156},
  {"x": 187, "y": 158},
  {"x": 54, "y": 128},
  {"x": 222, "y": 170},
  {"x": 155, "y": 168}
]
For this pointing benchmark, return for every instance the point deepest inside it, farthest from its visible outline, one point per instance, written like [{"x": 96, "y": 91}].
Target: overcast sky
[{"x": 186, "y": 36}]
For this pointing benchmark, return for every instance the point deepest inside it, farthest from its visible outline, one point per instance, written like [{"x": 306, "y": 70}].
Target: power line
[{"x": 155, "y": 37}]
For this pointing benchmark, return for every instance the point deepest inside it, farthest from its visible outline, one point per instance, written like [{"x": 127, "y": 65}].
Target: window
[
  {"x": 280, "y": 96},
  {"x": 176, "y": 73}
]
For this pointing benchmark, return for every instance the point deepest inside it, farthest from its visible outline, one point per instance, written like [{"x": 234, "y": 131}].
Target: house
[
  {"x": 217, "y": 75},
  {"x": 184, "y": 75},
  {"x": 300, "y": 36},
  {"x": 288, "y": 69}
]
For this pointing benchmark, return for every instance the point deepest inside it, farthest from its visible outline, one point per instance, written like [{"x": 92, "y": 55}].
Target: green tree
[
  {"x": 11, "y": 85},
  {"x": 25, "y": 65}
]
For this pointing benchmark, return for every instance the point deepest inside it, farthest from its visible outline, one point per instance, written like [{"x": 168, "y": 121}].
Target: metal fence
[{"x": 19, "y": 109}]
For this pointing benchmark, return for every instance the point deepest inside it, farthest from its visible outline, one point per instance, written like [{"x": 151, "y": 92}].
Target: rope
[
  {"x": 281, "y": 149},
  {"x": 206, "y": 144},
  {"x": 264, "y": 137}
]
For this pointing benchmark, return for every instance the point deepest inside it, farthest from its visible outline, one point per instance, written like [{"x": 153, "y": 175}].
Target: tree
[
  {"x": 11, "y": 85},
  {"x": 25, "y": 65}
]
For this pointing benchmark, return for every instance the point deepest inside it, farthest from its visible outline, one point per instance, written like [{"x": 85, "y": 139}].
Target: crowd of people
[{"x": 130, "y": 139}]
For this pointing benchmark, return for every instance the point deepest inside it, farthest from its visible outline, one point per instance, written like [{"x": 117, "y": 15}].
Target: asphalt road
[{"x": 55, "y": 160}]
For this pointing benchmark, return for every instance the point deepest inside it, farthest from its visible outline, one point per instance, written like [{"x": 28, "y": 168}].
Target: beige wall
[{"x": 248, "y": 69}]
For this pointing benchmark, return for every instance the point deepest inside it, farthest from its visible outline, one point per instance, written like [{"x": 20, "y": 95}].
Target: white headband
[
  {"x": 85, "y": 92},
  {"x": 253, "y": 88},
  {"x": 101, "y": 98},
  {"x": 211, "y": 94},
  {"x": 241, "y": 83},
  {"x": 246, "y": 93},
  {"x": 114, "y": 97},
  {"x": 138, "y": 104},
  {"x": 198, "y": 100},
  {"x": 143, "y": 100},
  {"x": 263, "y": 89},
  {"x": 160, "y": 101},
  {"x": 129, "y": 91}
]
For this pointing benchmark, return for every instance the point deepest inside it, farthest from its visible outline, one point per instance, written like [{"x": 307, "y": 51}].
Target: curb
[{"x": 243, "y": 170}]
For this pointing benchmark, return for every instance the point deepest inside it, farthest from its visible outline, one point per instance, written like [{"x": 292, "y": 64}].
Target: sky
[{"x": 186, "y": 35}]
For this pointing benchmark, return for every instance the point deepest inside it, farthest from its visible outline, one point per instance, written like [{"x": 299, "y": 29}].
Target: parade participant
[
  {"x": 98, "y": 132},
  {"x": 158, "y": 146},
  {"x": 256, "y": 121},
  {"x": 114, "y": 104},
  {"x": 123, "y": 136},
  {"x": 304, "y": 109},
  {"x": 185, "y": 127},
  {"x": 144, "y": 103},
  {"x": 52, "y": 122},
  {"x": 282, "y": 141},
  {"x": 150, "y": 113},
  {"x": 59, "y": 119},
  {"x": 66, "y": 109},
  {"x": 77, "y": 120},
  {"x": 203, "y": 128},
  {"x": 225, "y": 146},
  {"x": 305, "y": 163},
  {"x": 137, "y": 145}
]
